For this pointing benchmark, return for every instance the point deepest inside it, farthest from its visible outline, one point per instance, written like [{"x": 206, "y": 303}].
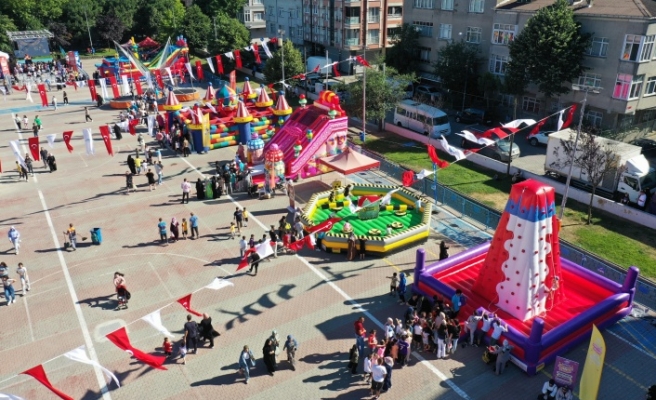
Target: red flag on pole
[
  {"x": 435, "y": 159},
  {"x": 362, "y": 61},
  {"x": 67, "y": 140},
  {"x": 186, "y": 303},
  {"x": 537, "y": 127},
  {"x": 316, "y": 68},
  {"x": 34, "y": 147},
  {"x": 199, "y": 70},
  {"x": 43, "y": 94},
  {"x": 237, "y": 55},
  {"x": 122, "y": 341},
  {"x": 570, "y": 117},
  {"x": 137, "y": 85},
  {"x": 92, "y": 89},
  {"x": 256, "y": 53},
  {"x": 158, "y": 78},
  {"x": 219, "y": 64},
  {"x": 39, "y": 374},
  {"x": 112, "y": 81},
  {"x": 104, "y": 132},
  {"x": 132, "y": 126},
  {"x": 335, "y": 70}
]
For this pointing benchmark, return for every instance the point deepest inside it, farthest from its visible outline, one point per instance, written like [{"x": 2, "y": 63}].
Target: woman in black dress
[
  {"x": 200, "y": 189},
  {"x": 269, "y": 356},
  {"x": 444, "y": 251},
  {"x": 175, "y": 229},
  {"x": 133, "y": 168}
]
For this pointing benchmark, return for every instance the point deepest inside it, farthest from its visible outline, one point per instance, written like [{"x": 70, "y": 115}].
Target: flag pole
[{"x": 435, "y": 173}]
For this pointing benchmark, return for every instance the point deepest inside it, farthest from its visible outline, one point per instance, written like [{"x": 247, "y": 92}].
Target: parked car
[
  {"x": 476, "y": 116},
  {"x": 648, "y": 146},
  {"x": 541, "y": 137},
  {"x": 428, "y": 92}
]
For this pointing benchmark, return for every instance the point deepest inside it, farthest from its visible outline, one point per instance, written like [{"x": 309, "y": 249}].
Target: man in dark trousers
[
  {"x": 191, "y": 334},
  {"x": 255, "y": 262}
]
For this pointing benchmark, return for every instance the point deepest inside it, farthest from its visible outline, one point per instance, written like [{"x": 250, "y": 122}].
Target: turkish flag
[
  {"x": 112, "y": 81},
  {"x": 67, "y": 140},
  {"x": 34, "y": 147},
  {"x": 199, "y": 70},
  {"x": 316, "y": 68},
  {"x": 256, "y": 53},
  {"x": 122, "y": 341},
  {"x": 104, "y": 132},
  {"x": 435, "y": 159},
  {"x": 325, "y": 226},
  {"x": 537, "y": 127},
  {"x": 570, "y": 117},
  {"x": 39, "y": 374},
  {"x": 137, "y": 85},
  {"x": 186, "y": 303},
  {"x": 237, "y": 58},
  {"x": 408, "y": 178},
  {"x": 244, "y": 260},
  {"x": 362, "y": 61},
  {"x": 335, "y": 70},
  {"x": 158, "y": 78},
  {"x": 43, "y": 94},
  {"x": 132, "y": 126},
  {"x": 219, "y": 64},
  {"x": 92, "y": 89}
]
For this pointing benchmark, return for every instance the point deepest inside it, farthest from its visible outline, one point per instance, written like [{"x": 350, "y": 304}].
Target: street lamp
[
  {"x": 579, "y": 88},
  {"x": 88, "y": 29},
  {"x": 281, "y": 32},
  {"x": 364, "y": 94}
]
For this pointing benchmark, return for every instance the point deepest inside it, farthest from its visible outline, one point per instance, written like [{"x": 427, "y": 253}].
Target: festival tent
[
  {"x": 349, "y": 162},
  {"x": 148, "y": 42}
]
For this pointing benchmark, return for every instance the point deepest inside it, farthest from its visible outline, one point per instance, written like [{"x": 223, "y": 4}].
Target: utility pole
[
  {"x": 88, "y": 29},
  {"x": 364, "y": 95},
  {"x": 282, "y": 49}
]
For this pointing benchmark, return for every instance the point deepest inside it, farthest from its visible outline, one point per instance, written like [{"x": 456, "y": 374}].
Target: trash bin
[{"x": 96, "y": 236}]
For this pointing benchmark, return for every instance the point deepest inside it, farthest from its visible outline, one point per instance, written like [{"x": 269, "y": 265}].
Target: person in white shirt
[
  {"x": 497, "y": 329},
  {"x": 378, "y": 373},
  {"x": 549, "y": 390},
  {"x": 186, "y": 188},
  {"x": 14, "y": 238},
  {"x": 367, "y": 367},
  {"x": 242, "y": 246},
  {"x": 24, "y": 279},
  {"x": 642, "y": 199},
  {"x": 389, "y": 329},
  {"x": 564, "y": 394},
  {"x": 472, "y": 325},
  {"x": 480, "y": 333}
]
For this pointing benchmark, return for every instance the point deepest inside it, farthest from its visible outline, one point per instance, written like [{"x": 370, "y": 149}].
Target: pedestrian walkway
[{"x": 38, "y": 107}]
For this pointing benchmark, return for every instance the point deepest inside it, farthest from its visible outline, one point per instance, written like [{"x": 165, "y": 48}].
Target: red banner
[
  {"x": 67, "y": 140},
  {"x": 233, "y": 80},
  {"x": 237, "y": 55},
  {"x": 256, "y": 53},
  {"x": 112, "y": 81},
  {"x": 435, "y": 159},
  {"x": 335, "y": 70},
  {"x": 219, "y": 64},
  {"x": 33, "y": 142},
  {"x": 43, "y": 94},
  {"x": 107, "y": 138},
  {"x": 137, "y": 84},
  {"x": 71, "y": 60},
  {"x": 122, "y": 341},
  {"x": 325, "y": 226},
  {"x": 4, "y": 67},
  {"x": 39, "y": 374},
  {"x": 132, "y": 126},
  {"x": 158, "y": 78},
  {"x": 199, "y": 70},
  {"x": 570, "y": 117},
  {"x": 186, "y": 303},
  {"x": 92, "y": 89}
]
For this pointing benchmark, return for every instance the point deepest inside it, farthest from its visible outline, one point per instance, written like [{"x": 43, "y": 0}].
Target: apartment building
[
  {"x": 254, "y": 17},
  {"x": 621, "y": 60},
  {"x": 341, "y": 27}
]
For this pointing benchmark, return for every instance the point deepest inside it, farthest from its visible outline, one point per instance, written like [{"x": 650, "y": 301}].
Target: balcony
[
  {"x": 373, "y": 19},
  {"x": 351, "y": 1},
  {"x": 352, "y": 42},
  {"x": 352, "y": 21},
  {"x": 394, "y": 16}
]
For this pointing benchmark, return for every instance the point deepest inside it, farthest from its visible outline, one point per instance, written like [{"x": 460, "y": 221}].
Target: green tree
[
  {"x": 550, "y": 48},
  {"x": 214, "y": 7},
  {"x": 32, "y": 14},
  {"x": 381, "y": 96},
  {"x": 60, "y": 33},
  {"x": 457, "y": 66},
  {"x": 6, "y": 24},
  {"x": 77, "y": 13},
  {"x": 110, "y": 28},
  {"x": 293, "y": 63},
  {"x": 489, "y": 84},
  {"x": 125, "y": 10},
  {"x": 403, "y": 53},
  {"x": 196, "y": 28},
  {"x": 232, "y": 35},
  {"x": 161, "y": 19},
  {"x": 515, "y": 82}
]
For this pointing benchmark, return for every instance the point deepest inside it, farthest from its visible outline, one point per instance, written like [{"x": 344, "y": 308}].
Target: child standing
[
  {"x": 233, "y": 230},
  {"x": 168, "y": 347},
  {"x": 245, "y": 214},
  {"x": 367, "y": 368},
  {"x": 251, "y": 242},
  {"x": 183, "y": 351},
  {"x": 394, "y": 283},
  {"x": 25, "y": 281},
  {"x": 184, "y": 228}
]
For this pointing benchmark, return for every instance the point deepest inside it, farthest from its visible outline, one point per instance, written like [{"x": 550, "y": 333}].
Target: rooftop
[{"x": 601, "y": 8}]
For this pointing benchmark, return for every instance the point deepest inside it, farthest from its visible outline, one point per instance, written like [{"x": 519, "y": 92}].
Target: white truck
[
  {"x": 321, "y": 62},
  {"x": 634, "y": 174}
]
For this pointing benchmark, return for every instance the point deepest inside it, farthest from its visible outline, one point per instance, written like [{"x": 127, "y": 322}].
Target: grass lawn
[{"x": 614, "y": 239}]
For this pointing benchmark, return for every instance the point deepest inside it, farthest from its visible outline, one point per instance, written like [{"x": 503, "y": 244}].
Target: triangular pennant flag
[
  {"x": 186, "y": 303},
  {"x": 266, "y": 50},
  {"x": 237, "y": 54},
  {"x": 229, "y": 55},
  {"x": 256, "y": 53},
  {"x": 80, "y": 355},
  {"x": 560, "y": 119},
  {"x": 120, "y": 338},
  {"x": 191, "y": 72},
  {"x": 155, "y": 320},
  {"x": 570, "y": 117},
  {"x": 168, "y": 72},
  {"x": 445, "y": 146},
  {"x": 51, "y": 140},
  {"x": 88, "y": 141},
  {"x": 19, "y": 157},
  {"x": 39, "y": 374},
  {"x": 7, "y": 396},
  {"x": 219, "y": 283},
  {"x": 209, "y": 64}
]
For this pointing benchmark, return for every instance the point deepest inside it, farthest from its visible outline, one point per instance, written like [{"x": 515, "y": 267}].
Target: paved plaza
[{"x": 313, "y": 295}]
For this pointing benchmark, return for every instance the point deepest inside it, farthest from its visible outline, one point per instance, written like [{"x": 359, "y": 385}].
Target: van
[{"x": 422, "y": 118}]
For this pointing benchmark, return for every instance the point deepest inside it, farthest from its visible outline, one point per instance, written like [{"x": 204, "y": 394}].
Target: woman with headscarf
[
  {"x": 215, "y": 188},
  {"x": 275, "y": 341},
  {"x": 175, "y": 229},
  {"x": 131, "y": 165},
  {"x": 200, "y": 189},
  {"x": 352, "y": 251},
  {"x": 354, "y": 358},
  {"x": 444, "y": 251},
  {"x": 269, "y": 358},
  {"x": 291, "y": 345}
]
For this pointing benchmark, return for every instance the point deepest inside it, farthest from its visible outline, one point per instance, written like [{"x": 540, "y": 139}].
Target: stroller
[{"x": 122, "y": 296}]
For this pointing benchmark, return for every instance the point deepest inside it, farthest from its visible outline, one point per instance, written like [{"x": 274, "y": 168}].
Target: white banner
[
  {"x": 472, "y": 138},
  {"x": 230, "y": 55},
  {"x": 219, "y": 283},
  {"x": 103, "y": 88},
  {"x": 209, "y": 64},
  {"x": 126, "y": 85},
  {"x": 191, "y": 73},
  {"x": 7, "y": 396},
  {"x": 151, "y": 124},
  {"x": 14, "y": 148},
  {"x": 51, "y": 140},
  {"x": 88, "y": 140},
  {"x": 149, "y": 80},
  {"x": 266, "y": 50},
  {"x": 155, "y": 320},
  {"x": 80, "y": 355},
  {"x": 168, "y": 71},
  {"x": 29, "y": 92}
]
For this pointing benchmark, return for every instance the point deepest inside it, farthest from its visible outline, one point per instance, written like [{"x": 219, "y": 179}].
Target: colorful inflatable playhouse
[
  {"x": 360, "y": 209},
  {"x": 549, "y": 303},
  {"x": 310, "y": 133}
]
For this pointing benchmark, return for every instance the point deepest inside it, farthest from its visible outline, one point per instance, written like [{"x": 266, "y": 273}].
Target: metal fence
[{"x": 489, "y": 219}]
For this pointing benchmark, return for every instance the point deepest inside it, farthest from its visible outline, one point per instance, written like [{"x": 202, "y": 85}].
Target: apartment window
[
  {"x": 637, "y": 48},
  {"x": 270, "y": 10},
  {"x": 650, "y": 88},
  {"x": 373, "y": 36},
  {"x": 394, "y": 11},
  {"x": 506, "y": 100},
  {"x": 423, "y": 3},
  {"x": 425, "y": 29},
  {"x": 258, "y": 16},
  {"x": 247, "y": 16},
  {"x": 589, "y": 79},
  {"x": 424, "y": 55},
  {"x": 373, "y": 15},
  {"x": 338, "y": 37},
  {"x": 257, "y": 2},
  {"x": 594, "y": 118},
  {"x": 445, "y": 31},
  {"x": 503, "y": 33},
  {"x": 315, "y": 9},
  {"x": 476, "y": 6},
  {"x": 393, "y": 32},
  {"x": 447, "y": 5},
  {"x": 636, "y": 86},
  {"x": 272, "y": 28},
  {"x": 498, "y": 64},
  {"x": 292, "y": 32},
  {"x": 647, "y": 47},
  {"x": 598, "y": 47},
  {"x": 622, "y": 86},
  {"x": 473, "y": 34},
  {"x": 531, "y": 105}
]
